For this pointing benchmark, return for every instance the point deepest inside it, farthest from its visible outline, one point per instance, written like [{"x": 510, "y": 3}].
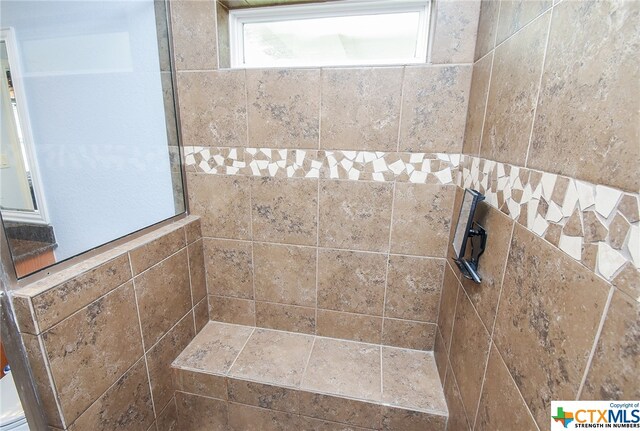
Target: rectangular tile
[
  {"x": 350, "y": 326},
  {"x": 409, "y": 334},
  {"x": 194, "y": 34},
  {"x": 232, "y": 310},
  {"x": 197, "y": 272},
  {"x": 286, "y": 317},
  {"x": 229, "y": 267},
  {"x": 168, "y": 418},
  {"x": 337, "y": 409},
  {"x": 149, "y": 253},
  {"x": 201, "y": 413},
  {"x": 263, "y": 395},
  {"x": 200, "y": 383},
  {"x": 454, "y": 39},
  {"x": 242, "y": 417},
  {"x": 406, "y": 420}
]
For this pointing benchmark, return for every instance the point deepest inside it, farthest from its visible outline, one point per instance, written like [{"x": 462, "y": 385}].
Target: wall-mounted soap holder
[{"x": 468, "y": 230}]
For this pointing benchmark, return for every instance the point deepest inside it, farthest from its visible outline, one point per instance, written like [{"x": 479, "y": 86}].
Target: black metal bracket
[{"x": 469, "y": 267}]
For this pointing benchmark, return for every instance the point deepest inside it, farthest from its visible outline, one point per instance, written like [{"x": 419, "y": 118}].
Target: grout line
[
  {"x": 317, "y": 253},
  {"x": 535, "y": 106},
  {"x": 191, "y": 289},
  {"x": 486, "y": 106},
  {"x": 402, "y": 83},
  {"x": 253, "y": 330},
  {"x": 47, "y": 366},
  {"x": 304, "y": 372},
  {"x": 596, "y": 339},
  {"x": 253, "y": 272}
]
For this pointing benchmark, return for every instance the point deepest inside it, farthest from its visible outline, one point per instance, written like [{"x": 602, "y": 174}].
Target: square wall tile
[
  {"x": 454, "y": 39},
  {"x": 413, "y": 288},
  {"x": 355, "y": 215},
  {"x": 349, "y": 326},
  {"x": 421, "y": 219},
  {"x": 285, "y": 210},
  {"x": 285, "y": 274},
  {"x": 193, "y": 25},
  {"x": 283, "y": 107},
  {"x": 213, "y": 110},
  {"x": 361, "y": 108},
  {"x": 229, "y": 268},
  {"x": 434, "y": 108},
  {"x": 223, "y": 204},
  {"x": 351, "y": 281},
  {"x": 286, "y": 317}
]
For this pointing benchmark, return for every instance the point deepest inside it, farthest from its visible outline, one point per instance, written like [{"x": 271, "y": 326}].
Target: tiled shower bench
[{"x": 233, "y": 377}]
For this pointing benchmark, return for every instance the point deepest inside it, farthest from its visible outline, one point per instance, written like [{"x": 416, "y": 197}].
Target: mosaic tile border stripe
[
  {"x": 596, "y": 225},
  {"x": 419, "y": 168}
]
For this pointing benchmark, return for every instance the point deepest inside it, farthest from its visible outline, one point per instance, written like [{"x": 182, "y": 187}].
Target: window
[{"x": 345, "y": 33}]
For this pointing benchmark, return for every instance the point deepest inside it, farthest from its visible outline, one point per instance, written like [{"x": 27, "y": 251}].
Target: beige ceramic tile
[
  {"x": 421, "y": 219},
  {"x": 311, "y": 424},
  {"x": 413, "y": 288},
  {"x": 213, "y": 108},
  {"x": 614, "y": 370},
  {"x": 215, "y": 348},
  {"x": 477, "y": 104},
  {"x": 407, "y": 420},
  {"x": 224, "y": 48},
  {"x": 200, "y": 383},
  {"x": 243, "y": 418},
  {"x": 197, "y": 272},
  {"x": 440, "y": 356},
  {"x": 516, "y": 14},
  {"x": 264, "y": 396},
  {"x": 355, "y": 215},
  {"x": 273, "y": 357},
  {"x": 446, "y": 314},
  {"x": 458, "y": 420},
  {"x": 229, "y": 268},
  {"x": 410, "y": 380},
  {"x": 409, "y": 334},
  {"x": 223, "y": 203},
  {"x": 283, "y": 107},
  {"x": 152, "y": 252},
  {"x": 71, "y": 295},
  {"x": 499, "y": 393},
  {"x": 167, "y": 419},
  {"x": 628, "y": 280},
  {"x": 105, "y": 334},
  {"x": 513, "y": 91},
  {"x": 487, "y": 25},
  {"x": 163, "y": 296},
  {"x": 590, "y": 70},
  {"x": 351, "y": 281},
  {"x": 286, "y": 317},
  {"x": 193, "y": 26},
  {"x": 285, "y": 274},
  {"x": 24, "y": 315},
  {"x": 201, "y": 314},
  {"x": 285, "y": 210},
  {"x": 232, "y": 310},
  {"x": 357, "y": 327},
  {"x": 542, "y": 330},
  {"x": 344, "y": 368},
  {"x": 337, "y": 409},
  {"x": 434, "y": 108},
  {"x": 160, "y": 357},
  {"x": 193, "y": 229},
  {"x": 361, "y": 108},
  {"x": 124, "y": 406},
  {"x": 201, "y": 413},
  {"x": 454, "y": 39}
]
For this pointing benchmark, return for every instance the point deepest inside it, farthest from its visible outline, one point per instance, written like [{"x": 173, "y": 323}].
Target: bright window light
[{"x": 380, "y": 32}]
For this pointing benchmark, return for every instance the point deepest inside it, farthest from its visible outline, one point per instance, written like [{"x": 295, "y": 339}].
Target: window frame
[{"x": 239, "y": 17}]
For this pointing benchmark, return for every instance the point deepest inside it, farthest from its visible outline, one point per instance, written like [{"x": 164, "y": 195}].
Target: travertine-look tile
[
  {"x": 337, "y": 409},
  {"x": 200, "y": 383},
  {"x": 355, "y": 215},
  {"x": 283, "y": 107},
  {"x": 515, "y": 14},
  {"x": 167, "y": 419},
  {"x": 351, "y": 281},
  {"x": 285, "y": 274},
  {"x": 413, "y": 288},
  {"x": 152, "y": 252},
  {"x": 477, "y": 103},
  {"x": 24, "y": 316},
  {"x": 454, "y": 39},
  {"x": 224, "y": 48},
  {"x": 215, "y": 348},
  {"x": 441, "y": 356},
  {"x": 628, "y": 281},
  {"x": 163, "y": 296},
  {"x": 223, "y": 204},
  {"x": 410, "y": 379},
  {"x": 105, "y": 334},
  {"x": 361, "y": 108},
  {"x": 590, "y": 70},
  {"x": 450, "y": 288},
  {"x": 264, "y": 396},
  {"x": 487, "y": 25},
  {"x": 273, "y": 357},
  {"x": 232, "y": 310},
  {"x": 546, "y": 325},
  {"x": 213, "y": 107},
  {"x": 193, "y": 27},
  {"x": 513, "y": 91},
  {"x": 470, "y": 344},
  {"x": 286, "y": 317},
  {"x": 407, "y": 420},
  {"x": 57, "y": 303},
  {"x": 349, "y": 326},
  {"x": 312, "y": 424},
  {"x": 614, "y": 370},
  {"x": 458, "y": 420},
  {"x": 201, "y": 413},
  {"x": 242, "y": 418},
  {"x": 197, "y": 272},
  {"x": 193, "y": 230},
  {"x": 344, "y": 368},
  {"x": 434, "y": 108},
  {"x": 160, "y": 357},
  {"x": 201, "y": 314},
  {"x": 285, "y": 210},
  {"x": 229, "y": 268},
  {"x": 124, "y": 406},
  {"x": 409, "y": 334},
  {"x": 500, "y": 394},
  {"x": 421, "y": 219}
]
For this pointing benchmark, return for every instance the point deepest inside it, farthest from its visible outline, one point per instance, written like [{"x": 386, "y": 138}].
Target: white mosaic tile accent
[{"x": 598, "y": 226}]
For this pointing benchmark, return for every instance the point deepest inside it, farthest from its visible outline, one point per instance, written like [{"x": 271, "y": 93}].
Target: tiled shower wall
[
  {"x": 552, "y": 141},
  {"x": 325, "y": 193}
]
